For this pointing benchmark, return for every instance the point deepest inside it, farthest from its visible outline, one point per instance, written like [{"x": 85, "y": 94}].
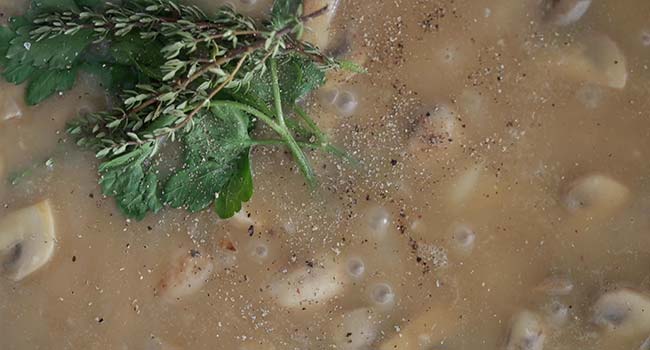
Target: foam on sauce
[{"x": 501, "y": 201}]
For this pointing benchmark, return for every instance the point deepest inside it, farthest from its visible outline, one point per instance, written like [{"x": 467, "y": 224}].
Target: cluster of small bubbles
[
  {"x": 356, "y": 267},
  {"x": 382, "y": 293},
  {"x": 435, "y": 255}
]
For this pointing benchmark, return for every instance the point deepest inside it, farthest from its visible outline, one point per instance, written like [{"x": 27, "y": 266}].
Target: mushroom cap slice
[
  {"x": 27, "y": 240},
  {"x": 565, "y": 12},
  {"x": 527, "y": 332},
  {"x": 595, "y": 192},
  {"x": 187, "y": 275},
  {"x": 596, "y": 59},
  {"x": 623, "y": 311}
]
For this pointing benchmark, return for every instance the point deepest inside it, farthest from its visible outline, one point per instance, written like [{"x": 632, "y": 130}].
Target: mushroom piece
[
  {"x": 433, "y": 130},
  {"x": 355, "y": 330},
  {"x": 596, "y": 59},
  {"x": 27, "y": 239},
  {"x": 318, "y": 29},
  {"x": 565, "y": 12},
  {"x": 595, "y": 192},
  {"x": 314, "y": 283},
  {"x": 527, "y": 332},
  {"x": 623, "y": 311},
  {"x": 430, "y": 328},
  {"x": 188, "y": 274},
  {"x": 10, "y": 97}
]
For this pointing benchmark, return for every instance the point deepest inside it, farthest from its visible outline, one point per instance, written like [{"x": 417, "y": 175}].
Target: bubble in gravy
[
  {"x": 259, "y": 250},
  {"x": 463, "y": 237},
  {"x": 378, "y": 221},
  {"x": 356, "y": 267},
  {"x": 382, "y": 293}
]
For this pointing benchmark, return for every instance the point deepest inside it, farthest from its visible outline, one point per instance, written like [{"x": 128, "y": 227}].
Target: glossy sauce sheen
[{"x": 501, "y": 201}]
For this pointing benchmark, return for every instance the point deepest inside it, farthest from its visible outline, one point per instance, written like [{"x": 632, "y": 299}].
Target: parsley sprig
[{"x": 204, "y": 82}]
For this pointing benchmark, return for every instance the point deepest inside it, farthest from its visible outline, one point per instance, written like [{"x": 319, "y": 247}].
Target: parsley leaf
[
  {"x": 134, "y": 186},
  {"x": 58, "y": 52},
  {"x": 237, "y": 190},
  {"x": 46, "y": 83},
  {"x": 298, "y": 76},
  {"x": 6, "y": 35},
  {"x": 212, "y": 150}
]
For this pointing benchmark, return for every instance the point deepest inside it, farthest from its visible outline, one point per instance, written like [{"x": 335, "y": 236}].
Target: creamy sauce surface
[{"x": 500, "y": 202}]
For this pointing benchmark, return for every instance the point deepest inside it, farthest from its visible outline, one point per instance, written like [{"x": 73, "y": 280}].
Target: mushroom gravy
[{"x": 500, "y": 200}]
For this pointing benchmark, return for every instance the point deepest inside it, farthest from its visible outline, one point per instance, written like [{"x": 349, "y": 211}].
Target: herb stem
[
  {"x": 311, "y": 124},
  {"x": 285, "y": 134},
  {"x": 277, "y": 100}
]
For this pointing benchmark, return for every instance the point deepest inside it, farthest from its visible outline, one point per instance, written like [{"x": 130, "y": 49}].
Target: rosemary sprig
[{"x": 182, "y": 76}]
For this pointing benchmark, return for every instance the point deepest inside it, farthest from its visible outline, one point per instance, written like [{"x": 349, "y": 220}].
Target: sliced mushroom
[
  {"x": 433, "y": 130},
  {"x": 595, "y": 192},
  {"x": 188, "y": 274},
  {"x": 527, "y": 332},
  {"x": 466, "y": 184},
  {"x": 565, "y": 12},
  {"x": 10, "y": 97},
  {"x": 430, "y": 328},
  {"x": 318, "y": 29},
  {"x": 645, "y": 345},
  {"x": 311, "y": 284},
  {"x": 595, "y": 59},
  {"x": 623, "y": 311},
  {"x": 355, "y": 330},
  {"x": 27, "y": 239}
]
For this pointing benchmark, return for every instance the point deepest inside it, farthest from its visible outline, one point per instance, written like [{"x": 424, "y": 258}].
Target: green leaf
[
  {"x": 114, "y": 77},
  {"x": 47, "y": 83},
  {"x": 134, "y": 187},
  {"x": 142, "y": 53},
  {"x": 6, "y": 35},
  {"x": 59, "y": 52},
  {"x": 284, "y": 11},
  {"x": 353, "y": 67},
  {"x": 17, "y": 73},
  {"x": 237, "y": 190},
  {"x": 298, "y": 76},
  {"x": 212, "y": 150}
]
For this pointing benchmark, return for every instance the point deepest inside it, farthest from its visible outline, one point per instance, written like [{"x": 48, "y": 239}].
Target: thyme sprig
[{"x": 181, "y": 76}]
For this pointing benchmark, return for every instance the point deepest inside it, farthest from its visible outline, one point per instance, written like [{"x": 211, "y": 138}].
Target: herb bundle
[{"x": 181, "y": 76}]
